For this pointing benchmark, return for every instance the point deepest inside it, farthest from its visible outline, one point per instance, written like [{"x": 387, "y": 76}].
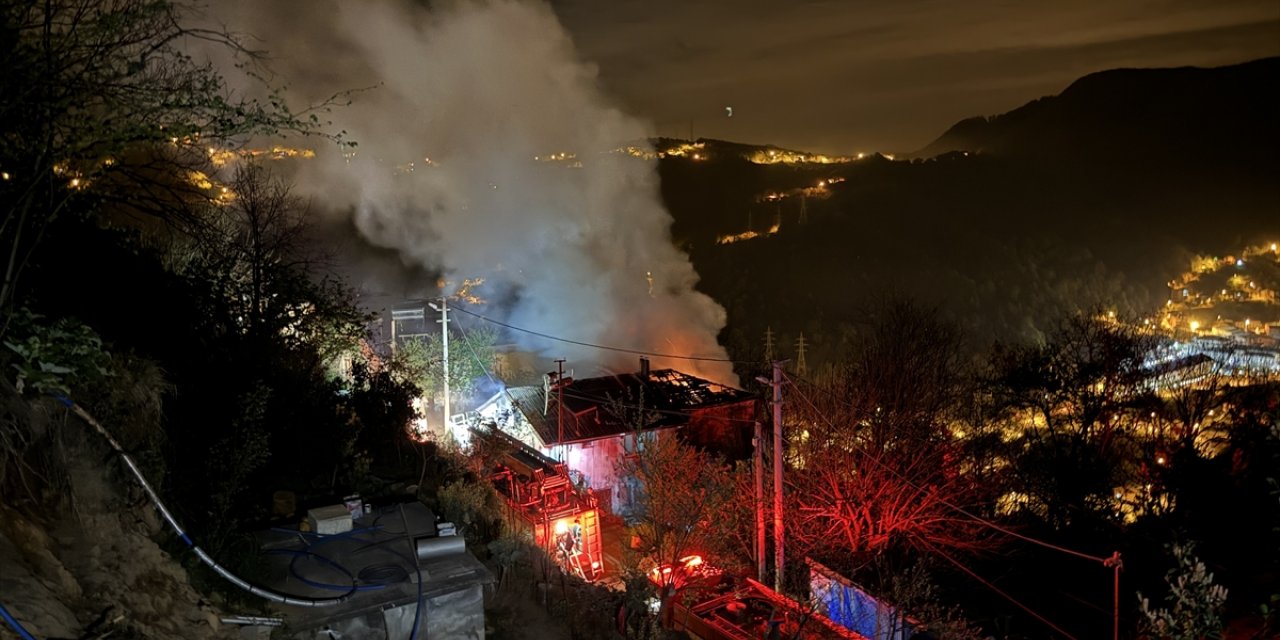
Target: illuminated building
[{"x": 577, "y": 421}]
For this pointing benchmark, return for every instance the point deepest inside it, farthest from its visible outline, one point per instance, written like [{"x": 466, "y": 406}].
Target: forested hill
[
  {"x": 1098, "y": 196},
  {"x": 1132, "y": 113}
]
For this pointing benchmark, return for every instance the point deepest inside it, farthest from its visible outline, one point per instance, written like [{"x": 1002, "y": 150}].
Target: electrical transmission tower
[
  {"x": 768, "y": 344},
  {"x": 801, "y": 368}
]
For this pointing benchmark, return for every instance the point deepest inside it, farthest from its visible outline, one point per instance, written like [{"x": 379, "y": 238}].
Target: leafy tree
[
  {"x": 1195, "y": 603},
  {"x": 471, "y": 358},
  {"x": 473, "y": 507},
  {"x": 101, "y": 104},
  {"x": 54, "y": 357}
]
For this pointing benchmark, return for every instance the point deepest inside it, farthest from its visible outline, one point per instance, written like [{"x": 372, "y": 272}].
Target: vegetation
[
  {"x": 1195, "y": 602},
  {"x": 203, "y": 327}
]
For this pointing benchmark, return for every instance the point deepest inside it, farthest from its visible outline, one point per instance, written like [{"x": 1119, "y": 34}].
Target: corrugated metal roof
[{"x": 601, "y": 407}]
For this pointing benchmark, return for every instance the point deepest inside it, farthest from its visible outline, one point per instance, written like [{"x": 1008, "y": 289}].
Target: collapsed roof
[{"x": 607, "y": 406}]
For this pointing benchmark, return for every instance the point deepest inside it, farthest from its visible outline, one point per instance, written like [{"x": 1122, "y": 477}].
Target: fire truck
[
  {"x": 743, "y": 609},
  {"x": 542, "y": 498}
]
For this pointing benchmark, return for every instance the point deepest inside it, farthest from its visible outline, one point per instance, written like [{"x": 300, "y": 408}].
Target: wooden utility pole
[
  {"x": 444, "y": 331},
  {"x": 758, "y": 467},
  {"x": 801, "y": 368},
  {"x": 778, "y": 555},
  {"x": 560, "y": 407}
]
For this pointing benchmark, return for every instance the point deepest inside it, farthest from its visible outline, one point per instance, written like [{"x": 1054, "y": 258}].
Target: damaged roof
[{"x": 607, "y": 406}]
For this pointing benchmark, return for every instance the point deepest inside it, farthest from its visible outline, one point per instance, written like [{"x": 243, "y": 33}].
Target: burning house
[{"x": 589, "y": 424}]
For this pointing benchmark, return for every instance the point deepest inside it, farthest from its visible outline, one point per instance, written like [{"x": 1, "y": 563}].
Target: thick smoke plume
[{"x": 456, "y": 102}]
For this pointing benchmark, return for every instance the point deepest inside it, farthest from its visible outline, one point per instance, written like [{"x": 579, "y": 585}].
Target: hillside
[
  {"x": 1067, "y": 202},
  {"x": 1132, "y": 113}
]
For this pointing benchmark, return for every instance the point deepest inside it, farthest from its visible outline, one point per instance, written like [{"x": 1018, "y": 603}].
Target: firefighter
[{"x": 576, "y": 532}]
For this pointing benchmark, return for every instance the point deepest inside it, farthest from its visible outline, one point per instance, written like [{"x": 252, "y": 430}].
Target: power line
[
  {"x": 947, "y": 503},
  {"x": 601, "y": 346},
  {"x": 1002, "y": 593}
]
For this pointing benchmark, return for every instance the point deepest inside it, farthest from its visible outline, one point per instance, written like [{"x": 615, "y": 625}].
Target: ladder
[
  {"x": 591, "y": 544},
  {"x": 575, "y": 565}
]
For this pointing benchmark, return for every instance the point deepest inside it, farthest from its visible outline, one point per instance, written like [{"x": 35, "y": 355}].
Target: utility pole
[
  {"x": 560, "y": 406},
  {"x": 444, "y": 331},
  {"x": 778, "y": 555},
  {"x": 758, "y": 467}
]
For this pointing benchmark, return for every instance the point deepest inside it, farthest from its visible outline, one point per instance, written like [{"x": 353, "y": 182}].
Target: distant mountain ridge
[
  {"x": 1094, "y": 196},
  {"x": 1133, "y": 112}
]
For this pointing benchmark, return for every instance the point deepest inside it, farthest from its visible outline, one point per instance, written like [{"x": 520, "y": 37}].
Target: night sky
[{"x": 889, "y": 75}]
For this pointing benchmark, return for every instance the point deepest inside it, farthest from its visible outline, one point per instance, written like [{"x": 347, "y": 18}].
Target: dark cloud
[{"x": 848, "y": 76}]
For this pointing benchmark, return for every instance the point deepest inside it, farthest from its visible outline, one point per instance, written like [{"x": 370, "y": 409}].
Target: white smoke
[{"x": 481, "y": 88}]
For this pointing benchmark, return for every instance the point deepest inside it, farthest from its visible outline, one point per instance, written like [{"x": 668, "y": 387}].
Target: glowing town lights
[
  {"x": 75, "y": 183},
  {"x": 4, "y": 175},
  {"x": 782, "y": 156},
  {"x": 1159, "y": 459},
  {"x": 1273, "y": 247},
  {"x": 199, "y": 180},
  {"x": 1195, "y": 325},
  {"x": 561, "y": 527}
]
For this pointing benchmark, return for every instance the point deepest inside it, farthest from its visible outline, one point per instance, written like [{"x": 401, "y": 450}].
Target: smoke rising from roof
[{"x": 460, "y": 99}]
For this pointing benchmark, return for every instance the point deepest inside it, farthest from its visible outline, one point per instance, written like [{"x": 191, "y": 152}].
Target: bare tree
[
  {"x": 268, "y": 285},
  {"x": 99, "y": 103},
  {"x": 880, "y": 460}
]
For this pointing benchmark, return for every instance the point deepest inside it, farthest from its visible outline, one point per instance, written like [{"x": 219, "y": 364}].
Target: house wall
[
  {"x": 725, "y": 430},
  {"x": 849, "y": 606}
]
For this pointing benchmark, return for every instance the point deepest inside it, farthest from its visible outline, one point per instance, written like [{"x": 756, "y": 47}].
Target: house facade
[{"x": 590, "y": 424}]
